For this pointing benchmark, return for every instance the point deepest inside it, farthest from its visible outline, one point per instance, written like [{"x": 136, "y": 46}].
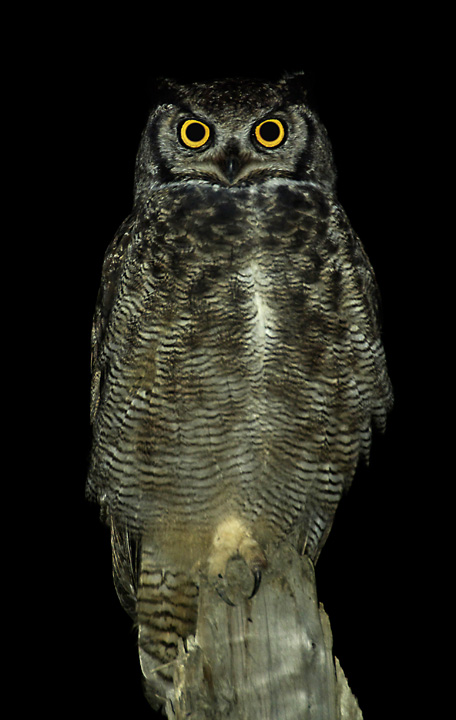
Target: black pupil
[
  {"x": 270, "y": 131},
  {"x": 195, "y": 132}
]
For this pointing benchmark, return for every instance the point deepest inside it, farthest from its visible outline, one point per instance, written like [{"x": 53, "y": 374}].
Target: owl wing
[
  {"x": 111, "y": 271},
  {"x": 125, "y": 548}
]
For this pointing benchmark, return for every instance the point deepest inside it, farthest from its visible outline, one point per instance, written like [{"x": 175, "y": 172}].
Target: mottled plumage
[{"x": 237, "y": 360}]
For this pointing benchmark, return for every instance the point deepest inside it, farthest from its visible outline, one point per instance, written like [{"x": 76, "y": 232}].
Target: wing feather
[
  {"x": 111, "y": 272},
  {"x": 125, "y": 566}
]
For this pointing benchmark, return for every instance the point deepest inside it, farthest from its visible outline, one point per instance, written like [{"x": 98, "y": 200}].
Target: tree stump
[{"x": 268, "y": 657}]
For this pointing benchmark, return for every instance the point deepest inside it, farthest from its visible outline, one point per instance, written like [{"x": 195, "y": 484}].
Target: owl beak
[{"x": 230, "y": 167}]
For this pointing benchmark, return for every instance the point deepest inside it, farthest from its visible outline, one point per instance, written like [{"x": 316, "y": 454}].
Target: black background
[{"x": 86, "y": 106}]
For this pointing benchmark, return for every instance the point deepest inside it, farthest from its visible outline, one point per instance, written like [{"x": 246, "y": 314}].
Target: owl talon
[
  {"x": 256, "y": 585},
  {"x": 221, "y": 592}
]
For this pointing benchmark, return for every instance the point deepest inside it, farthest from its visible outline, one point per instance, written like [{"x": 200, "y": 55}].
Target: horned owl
[{"x": 237, "y": 361}]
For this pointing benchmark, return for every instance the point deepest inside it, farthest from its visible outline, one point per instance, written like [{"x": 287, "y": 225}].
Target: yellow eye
[
  {"x": 270, "y": 133},
  {"x": 194, "y": 133}
]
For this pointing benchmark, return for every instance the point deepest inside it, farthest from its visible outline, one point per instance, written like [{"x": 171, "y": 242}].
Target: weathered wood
[{"x": 269, "y": 657}]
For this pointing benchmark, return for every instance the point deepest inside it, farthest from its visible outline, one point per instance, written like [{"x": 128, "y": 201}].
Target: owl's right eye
[{"x": 194, "y": 133}]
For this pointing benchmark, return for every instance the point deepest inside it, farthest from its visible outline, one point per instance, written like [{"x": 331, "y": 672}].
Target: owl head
[{"x": 232, "y": 132}]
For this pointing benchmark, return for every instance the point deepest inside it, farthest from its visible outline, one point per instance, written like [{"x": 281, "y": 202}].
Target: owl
[{"x": 237, "y": 364}]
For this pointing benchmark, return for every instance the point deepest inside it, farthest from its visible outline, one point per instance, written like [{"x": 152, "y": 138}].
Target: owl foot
[
  {"x": 222, "y": 591},
  {"x": 235, "y": 557}
]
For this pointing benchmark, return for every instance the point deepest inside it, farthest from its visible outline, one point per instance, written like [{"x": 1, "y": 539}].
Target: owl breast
[{"x": 243, "y": 365}]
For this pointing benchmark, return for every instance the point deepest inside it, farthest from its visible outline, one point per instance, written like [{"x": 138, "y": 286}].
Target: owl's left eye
[
  {"x": 270, "y": 133},
  {"x": 194, "y": 133}
]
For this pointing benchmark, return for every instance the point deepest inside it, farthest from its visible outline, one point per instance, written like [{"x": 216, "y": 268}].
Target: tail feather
[
  {"x": 162, "y": 602},
  {"x": 166, "y": 610}
]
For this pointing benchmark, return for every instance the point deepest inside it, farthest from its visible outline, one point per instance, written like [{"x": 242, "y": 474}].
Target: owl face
[{"x": 232, "y": 133}]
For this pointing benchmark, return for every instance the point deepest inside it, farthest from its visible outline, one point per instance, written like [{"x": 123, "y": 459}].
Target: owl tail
[{"x": 166, "y": 610}]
